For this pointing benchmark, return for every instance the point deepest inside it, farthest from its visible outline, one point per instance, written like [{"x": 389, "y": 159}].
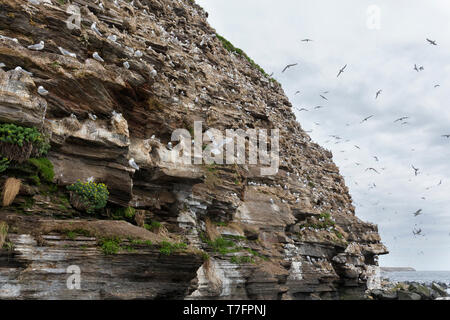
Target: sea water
[{"x": 426, "y": 277}]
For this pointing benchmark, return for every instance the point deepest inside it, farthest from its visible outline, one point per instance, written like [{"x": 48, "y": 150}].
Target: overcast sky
[{"x": 377, "y": 59}]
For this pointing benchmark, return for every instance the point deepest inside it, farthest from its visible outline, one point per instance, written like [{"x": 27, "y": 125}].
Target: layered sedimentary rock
[{"x": 294, "y": 233}]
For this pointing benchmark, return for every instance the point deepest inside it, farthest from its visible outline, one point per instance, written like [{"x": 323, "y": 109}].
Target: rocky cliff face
[{"x": 290, "y": 235}]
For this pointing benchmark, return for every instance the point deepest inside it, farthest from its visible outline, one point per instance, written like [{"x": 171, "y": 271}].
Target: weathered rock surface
[
  {"x": 100, "y": 115},
  {"x": 408, "y": 291}
]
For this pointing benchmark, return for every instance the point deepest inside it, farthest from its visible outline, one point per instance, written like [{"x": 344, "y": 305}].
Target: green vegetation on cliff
[{"x": 231, "y": 48}]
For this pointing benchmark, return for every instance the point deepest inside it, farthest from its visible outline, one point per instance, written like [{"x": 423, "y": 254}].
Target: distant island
[{"x": 397, "y": 269}]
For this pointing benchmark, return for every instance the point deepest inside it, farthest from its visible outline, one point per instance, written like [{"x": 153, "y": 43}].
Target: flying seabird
[
  {"x": 417, "y": 213},
  {"x": 302, "y": 109},
  {"x": 341, "y": 70},
  {"x": 376, "y": 158},
  {"x": 401, "y": 119},
  {"x": 42, "y": 91},
  {"x": 357, "y": 146},
  {"x": 37, "y": 46},
  {"x": 433, "y": 42},
  {"x": 96, "y": 56},
  {"x": 446, "y": 135},
  {"x": 323, "y": 97},
  {"x": 289, "y": 66},
  {"x": 318, "y": 107},
  {"x": 437, "y": 85},
  {"x": 365, "y": 119},
  {"x": 415, "y": 68},
  {"x": 297, "y": 92},
  {"x": 378, "y": 93},
  {"x": 372, "y": 170},
  {"x": 307, "y": 40},
  {"x": 416, "y": 170}
]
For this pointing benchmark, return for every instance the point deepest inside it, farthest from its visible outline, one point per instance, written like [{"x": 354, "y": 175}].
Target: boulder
[
  {"x": 421, "y": 290},
  {"x": 440, "y": 290},
  {"x": 384, "y": 294},
  {"x": 407, "y": 295}
]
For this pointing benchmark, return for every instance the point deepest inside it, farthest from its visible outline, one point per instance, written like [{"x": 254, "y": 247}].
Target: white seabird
[
  {"x": 92, "y": 116},
  {"x": 153, "y": 73},
  {"x": 126, "y": 65},
  {"x": 138, "y": 53},
  {"x": 24, "y": 71},
  {"x": 133, "y": 164},
  {"x": 41, "y": 90},
  {"x": 8, "y": 38},
  {"x": 96, "y": 56},
  {"x": 38, "y": 46},
  {"x": 67, "y": 53},
  {"x": 94, "y": 28},
  {"x": 129, "y": 51},
  {"x": 112, "y": 38},
  {"x": 2, "y": 65}
]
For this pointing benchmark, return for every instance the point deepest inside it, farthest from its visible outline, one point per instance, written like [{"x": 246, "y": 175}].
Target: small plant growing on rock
[
  {"x": 167, "y": 248},
  {"x": 4, "y": 164},
  {"x": 44, "y": 167},
  {"x": 127, "y": 213},
  {"x": 3, "y": 233},
  {"x": 222, "y": 245},
  {"x": 153, "y": 226},
  {"x": 88, "y": 196},
  {"x": 20, "y": 143},
  {"x": 110, "y": 246}
]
